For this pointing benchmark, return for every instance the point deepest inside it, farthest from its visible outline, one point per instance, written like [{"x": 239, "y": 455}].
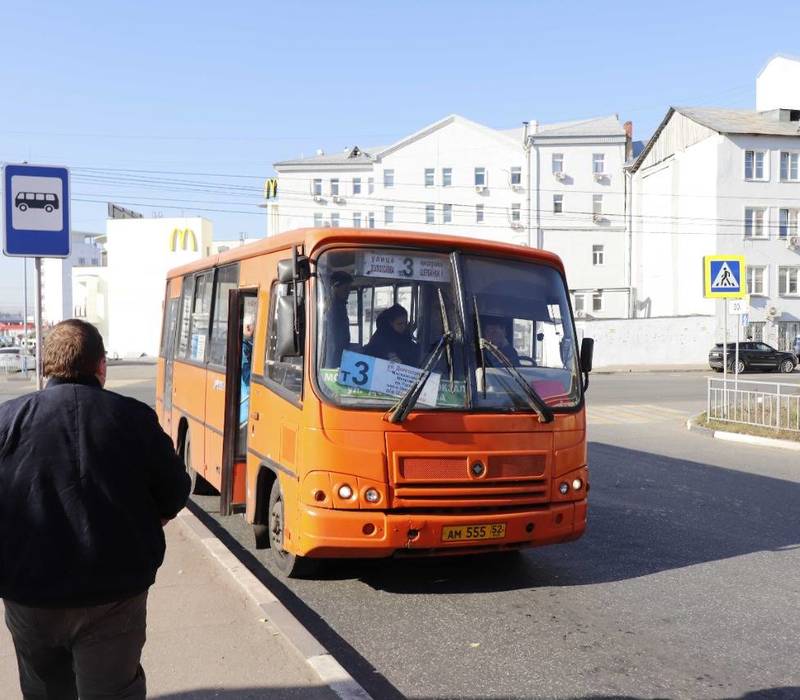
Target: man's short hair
[
  {"x": 72, "y": 349},
  {"x": 341, "y": 277}
]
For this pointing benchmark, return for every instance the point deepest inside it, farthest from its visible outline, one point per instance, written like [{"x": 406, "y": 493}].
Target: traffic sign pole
[
  {"x": 736, "y": 368},
  {"x": 38, "y": 312},
  {"x": 725, "y": 358}
]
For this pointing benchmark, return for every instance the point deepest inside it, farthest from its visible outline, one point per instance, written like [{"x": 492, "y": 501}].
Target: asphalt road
[{"x": 685, "y": 585}]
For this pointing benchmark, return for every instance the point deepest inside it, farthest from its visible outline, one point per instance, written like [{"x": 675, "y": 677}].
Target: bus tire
[
  {"x": 290, "y": 565},
  {"x": 198, "y": 485}
]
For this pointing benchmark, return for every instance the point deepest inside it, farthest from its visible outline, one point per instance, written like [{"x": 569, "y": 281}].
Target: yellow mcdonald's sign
[
  {"x": 271, "y": 188},
  {"x": 179, "y": 239}
]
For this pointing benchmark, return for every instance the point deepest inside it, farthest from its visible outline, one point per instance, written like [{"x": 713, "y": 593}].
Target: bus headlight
[
  {"x": 577, "y": 484},
  {"x": 372, "y": 495},
  {"x": 345, "y": 492},
  {"x": 563, "y": 488}
]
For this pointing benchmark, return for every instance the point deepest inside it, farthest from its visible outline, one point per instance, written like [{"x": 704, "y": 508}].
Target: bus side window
[
  {"x": 200, "y": 317},
  {"x": 186, "y": 308},
  {"x": 227, "y": 279},
  {"x": 287, "y": 373}
]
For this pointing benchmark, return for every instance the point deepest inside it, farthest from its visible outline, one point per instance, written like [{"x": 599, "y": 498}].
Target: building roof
[
  {"x": 741, "y": 121},
  {"x": 595, "y": 126}
]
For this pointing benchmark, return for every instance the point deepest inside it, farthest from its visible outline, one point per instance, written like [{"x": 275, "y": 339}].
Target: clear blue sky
[{"x": 230, "y": 88}]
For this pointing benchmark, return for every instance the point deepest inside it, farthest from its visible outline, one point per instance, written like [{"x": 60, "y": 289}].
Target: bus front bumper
[{"x": 363, "y": 533}]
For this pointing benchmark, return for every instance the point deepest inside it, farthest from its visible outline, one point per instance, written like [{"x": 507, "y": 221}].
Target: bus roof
[{"x": 314, "y": 238}]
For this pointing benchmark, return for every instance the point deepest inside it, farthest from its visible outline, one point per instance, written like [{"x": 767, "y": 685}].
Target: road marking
[{"x": 638, "y": 413}]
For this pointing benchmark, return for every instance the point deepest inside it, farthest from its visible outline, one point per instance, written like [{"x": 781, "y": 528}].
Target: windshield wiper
[
  {"x": 535, "y": 401},
  {"x": 479, "y": 342},
  {"x": 399, "y": 412}
]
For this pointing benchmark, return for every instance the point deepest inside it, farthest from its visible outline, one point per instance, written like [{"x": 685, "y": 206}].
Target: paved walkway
[{"x": 205, "y": 637}]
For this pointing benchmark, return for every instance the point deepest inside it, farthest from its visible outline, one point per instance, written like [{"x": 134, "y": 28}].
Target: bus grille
[{"x": 432, "y": 482}]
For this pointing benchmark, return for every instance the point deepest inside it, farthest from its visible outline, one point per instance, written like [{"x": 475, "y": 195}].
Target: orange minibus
[{"x": 368, "y": 393}]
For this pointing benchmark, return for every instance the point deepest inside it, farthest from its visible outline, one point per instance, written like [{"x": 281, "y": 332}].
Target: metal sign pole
[
  {"x": 38, "y": 312},
  {"x": 736, "y": 369},
  {"x": 725, "y": 358},
  {"x": 25, "y": 317}
]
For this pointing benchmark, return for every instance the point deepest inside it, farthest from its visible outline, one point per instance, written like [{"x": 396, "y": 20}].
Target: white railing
[{"x": 765, "y": 404}]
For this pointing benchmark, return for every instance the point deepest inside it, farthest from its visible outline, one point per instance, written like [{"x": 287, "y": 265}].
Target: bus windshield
[{"x": 381, "y": 313}]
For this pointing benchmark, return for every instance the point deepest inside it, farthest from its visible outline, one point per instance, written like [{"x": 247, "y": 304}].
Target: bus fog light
[
  {"x": 577, "y": 484},
  {"x": 345, "y": 492},
  {"x": 372, "y": 495},
  {"x": 563, "y": 488},
  {"x": 319, "y": 495},
  {"x": 368, "y": 529}
]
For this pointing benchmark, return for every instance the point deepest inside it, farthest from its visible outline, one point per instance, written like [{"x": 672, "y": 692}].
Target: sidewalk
[
  {"x": 205, "y": 637},
  {"x": 638, "y": 369}
]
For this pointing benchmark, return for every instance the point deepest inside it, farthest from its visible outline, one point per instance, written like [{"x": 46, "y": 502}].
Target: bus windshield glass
[{"x": 381, "y": 313}]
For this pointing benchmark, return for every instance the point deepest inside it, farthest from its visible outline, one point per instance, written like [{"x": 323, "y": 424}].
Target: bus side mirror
[
  {"x": 587, "y": 352},
  {"x": 294, "y": 269},
  {"x": 289, "y": 342}
]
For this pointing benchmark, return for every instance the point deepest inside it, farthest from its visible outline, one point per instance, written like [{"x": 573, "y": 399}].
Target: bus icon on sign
[{"x": 36, "y": 200}]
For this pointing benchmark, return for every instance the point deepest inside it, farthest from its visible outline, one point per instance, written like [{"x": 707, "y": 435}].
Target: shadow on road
[{"x": 786, "y": 693}]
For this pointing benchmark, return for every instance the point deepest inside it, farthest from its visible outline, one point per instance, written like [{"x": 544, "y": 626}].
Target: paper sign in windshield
[
  {"x": 414, "y": 267},
  {"x": 385, "y": 377}
]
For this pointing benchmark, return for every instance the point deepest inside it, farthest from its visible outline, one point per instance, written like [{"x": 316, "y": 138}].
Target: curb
[
  {"x": 742, "y": 437},
  {"x": 651, "y": 370},
  {"x": 326, "y": 667}
]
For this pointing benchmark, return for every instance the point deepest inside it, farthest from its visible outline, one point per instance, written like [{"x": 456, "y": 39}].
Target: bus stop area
[{"x": 206, "y": 637}]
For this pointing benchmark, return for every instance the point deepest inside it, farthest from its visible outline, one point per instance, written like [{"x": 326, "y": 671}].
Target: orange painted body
[{"x": 420, "y": 467}]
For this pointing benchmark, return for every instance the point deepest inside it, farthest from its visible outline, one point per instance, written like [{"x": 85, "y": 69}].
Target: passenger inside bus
[
  {"x": 392, "y": 340},
  {"x": 337, "y": 323},
  {"x": 494, "y": 330}
]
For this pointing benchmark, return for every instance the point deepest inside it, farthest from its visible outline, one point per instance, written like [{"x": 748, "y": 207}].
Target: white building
[
  {"x": 556, "y": 186},
  {"x": 57, "y": 274},
  {"x": 713, "y": 181}
]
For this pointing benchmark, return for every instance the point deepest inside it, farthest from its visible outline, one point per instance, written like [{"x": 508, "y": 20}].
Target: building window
[
  {"x": 787, "y": 222},
  {"x": 388, "y": 215},
  {"x": 335, "y": 220},
  {"x": 597, "y": 206},
  {"x": 356, "y": 220},
  {"x": 516, "y": 213},
  {"x": 316, "y": 187},
  {"x": 597, "y": 301},
  {"x": 580, "y": 303},
  {"x": 754, "y": 222},
  {"x": 516, "y": 176},
  {"x": 754, "y": 165},
  {"x": 428, "y": 177},
  {"x": 447, "y": 213},
  {"x": 598, "y": 163},
  {"x": 371, "y": 219},
  {"x": 480, "y": 177},
  {"x": 558, "y": 203},
  {"x": 388, "y": 178},
  {"x": 755, "y": 280},
  {"x": 558, "y": 163},
  {"x": 335, "y": 187},
  {"x": 598, "y": 255},
  {"x": 788, "y": 281},
  {"x": 430, "y": 210},
  {"x": 789, "y": 166},
  {"x": 317, "y": 219},
  {"x": 356, "y": 185},
  {"x": 81, "y": 261},
  {"x": 479, "y": 213},
  {"x": 370, "y": 185},
  {"x": 447, "y": 177}
]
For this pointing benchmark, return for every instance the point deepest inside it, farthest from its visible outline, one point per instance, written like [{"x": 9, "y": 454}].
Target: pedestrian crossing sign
[{"x": 724, "y": 277}]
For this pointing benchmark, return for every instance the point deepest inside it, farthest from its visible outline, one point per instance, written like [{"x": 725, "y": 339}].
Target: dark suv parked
[{"x": 759, "y": 357}]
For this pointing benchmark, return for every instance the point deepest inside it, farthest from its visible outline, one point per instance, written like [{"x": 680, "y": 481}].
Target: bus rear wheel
[
  {"x": 198, "y": 485},
  {"x": 290, "y": 565}
]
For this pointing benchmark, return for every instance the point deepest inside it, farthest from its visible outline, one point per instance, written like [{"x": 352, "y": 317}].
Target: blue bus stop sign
[{"x": 36, "y": 211}]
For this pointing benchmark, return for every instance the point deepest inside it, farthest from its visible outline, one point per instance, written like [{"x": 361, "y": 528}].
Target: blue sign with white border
[{"x": 36, "y": 211}]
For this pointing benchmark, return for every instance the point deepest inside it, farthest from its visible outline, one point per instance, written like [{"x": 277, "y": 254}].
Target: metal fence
[
  {"x": 765, "y": 404},
  {"x": 12, "y": 363}
]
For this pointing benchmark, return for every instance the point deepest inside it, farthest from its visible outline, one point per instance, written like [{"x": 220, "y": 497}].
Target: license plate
[{"x": 460, "y": 533}]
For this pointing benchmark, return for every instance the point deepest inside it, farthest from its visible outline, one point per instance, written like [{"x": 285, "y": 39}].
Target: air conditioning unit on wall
[
  {"x": 773, "y": 312},
  {"x": 793, "y": 242}
]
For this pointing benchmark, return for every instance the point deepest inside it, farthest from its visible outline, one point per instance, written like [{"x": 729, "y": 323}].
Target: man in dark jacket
[{"x": 87, "y": 480}]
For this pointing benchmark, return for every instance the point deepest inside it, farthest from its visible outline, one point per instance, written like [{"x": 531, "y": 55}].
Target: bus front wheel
[{"x": 290, "y": 565}]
